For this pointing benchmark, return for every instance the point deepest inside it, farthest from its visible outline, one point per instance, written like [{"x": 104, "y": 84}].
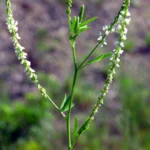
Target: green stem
[
  {"x": 72, "y": 42},
  {"x": 71, "y": 95},
  {"x": 64, "y": 116},
  {"x": 69, "y": 112}
]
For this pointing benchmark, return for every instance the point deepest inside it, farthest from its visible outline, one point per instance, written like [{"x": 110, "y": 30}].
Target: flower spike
[{"x": 21, "y": 55}]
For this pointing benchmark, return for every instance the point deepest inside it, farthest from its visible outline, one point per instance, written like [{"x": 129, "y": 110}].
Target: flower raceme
[
  {"x": 21, "y": 55},
  {"x": 121, "y": 28}
]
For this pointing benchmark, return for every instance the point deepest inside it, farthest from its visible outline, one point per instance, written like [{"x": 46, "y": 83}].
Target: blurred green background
[{"x": 29, "y": 122}]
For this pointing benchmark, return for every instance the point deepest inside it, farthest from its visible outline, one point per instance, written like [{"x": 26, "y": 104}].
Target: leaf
[
  {"x": 75, "y": 126},
  {"x": 89, "y": 21},
  {"x": 82, "y": 29},
  {"x": 84, "y": 127},
  {"x": 65, "y": 104},
  {"x": 73, "y": 22},
  {"x": 99, "y": 58},
  {"x": 76, "y": 25},
  {"x": 81, "y": 14}
]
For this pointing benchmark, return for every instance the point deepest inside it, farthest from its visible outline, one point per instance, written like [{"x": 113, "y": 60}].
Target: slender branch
[
  {"x": 69, "y": 111},
  {"x": 72, "y": 42},
  {"x": 123, "y": 21},
  {"x": 22, "y": 56}
]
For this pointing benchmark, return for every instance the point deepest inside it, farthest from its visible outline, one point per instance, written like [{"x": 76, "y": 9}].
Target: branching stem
[
  {"x": 104, "y": 36},
  {"x": 71, "y": 95}
]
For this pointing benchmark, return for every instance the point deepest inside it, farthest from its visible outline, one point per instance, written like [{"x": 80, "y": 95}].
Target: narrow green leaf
[
  {"x": 76, "y": 25},
  {"x": 81, "y": 14},
  {"x": 73, "y": 22},
  {"x": 99, "y": 58},
  {"x": 63, "y": 102},
  {"x": 84, "y": 127},
  {"x": 82, "y": 29},
  {"x": 75, "y": 126},
  {"x": 89, "y": 21},
  {"x": 65, "y": 105}
]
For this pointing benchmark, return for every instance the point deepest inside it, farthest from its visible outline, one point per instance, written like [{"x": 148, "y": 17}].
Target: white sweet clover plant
[{"x": 77, "y": 25}]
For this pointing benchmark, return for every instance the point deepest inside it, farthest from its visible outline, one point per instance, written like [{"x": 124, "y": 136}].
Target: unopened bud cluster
[{"x": 68, "y": 10}]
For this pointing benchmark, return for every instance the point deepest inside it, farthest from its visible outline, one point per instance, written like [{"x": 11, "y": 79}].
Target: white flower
[
  {"x": 111, "y": 58},
  {"x": 16, "y": 23},
  {"x": 20, "y": 47},
  {"x": 113, "y": 30},
  {"x": 120, "y": 18},
  {"x": 121, "y": 51},
  {"x": 127, "y": 20},
  {"x": 124, "y": 37},
  {"x": 105, "y": 43},
  {"x": 125, "y": 31},
  {"x": 17, "y": 36},
  {"x": 128, "y": 14},
  {"x": 100, "y": 38},
  {"x": 123, "y": 12},
  {"x": 119, "y": 27},
  {"x": 105, "y": 28},
  {"x": 121, "y": 44},
  {"x": 117, "y": 65},
  {"x": 118, "y": 60},
  {"x": 106, "y": 32},
  {"x": 28, "y": 63},
  {"x": 32, "y": 70},
  {"x": 114, "y": 71}
]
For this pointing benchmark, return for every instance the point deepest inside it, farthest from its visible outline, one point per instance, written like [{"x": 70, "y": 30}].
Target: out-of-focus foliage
[
  {"x": 27, "y": 124},
  {"x": 134, "y": 119},
  {"x": 147, "y": 39},
  {"x": 19, "y": 117},
  {"x": 129, "y": 46}
]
